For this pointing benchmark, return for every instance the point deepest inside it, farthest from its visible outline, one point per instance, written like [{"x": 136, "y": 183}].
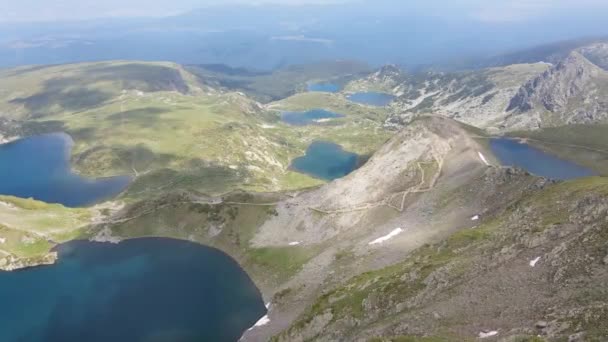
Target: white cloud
[
  {"x": 56, "y": 10},
  {"x": 519, "y": 10}
]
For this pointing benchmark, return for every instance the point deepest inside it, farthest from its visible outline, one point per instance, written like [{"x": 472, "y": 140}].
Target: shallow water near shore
[
  {"x": 39, "y": 167},
  {"x": 326, "y": 160},
  {"x": 150, "y": 289},
  {"x": 372, "y": 98},
  {"x": 309, "y": 117},
  {"x": 324, "y": 87},
  {"x": 511, "y": 152}
]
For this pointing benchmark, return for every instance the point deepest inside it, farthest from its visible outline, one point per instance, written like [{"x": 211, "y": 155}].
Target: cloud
[
  {"x": 58, "y": 10},
  {"x": 521, "y": 10}
]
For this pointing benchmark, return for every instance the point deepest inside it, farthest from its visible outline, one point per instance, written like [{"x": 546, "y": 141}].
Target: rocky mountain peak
[
  {"x": 553, "y": 89},
  {"x": 388, "y": 74},
  {"x": 596, "y": 53}
]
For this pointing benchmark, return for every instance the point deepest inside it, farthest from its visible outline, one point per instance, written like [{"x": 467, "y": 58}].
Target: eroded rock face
[
  {"x": 513, "y": 97},
  {"x": 597, "y": 54},
  {"x": 554, "y": 90}
]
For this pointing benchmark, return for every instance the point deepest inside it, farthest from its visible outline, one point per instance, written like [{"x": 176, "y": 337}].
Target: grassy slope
[
  {"x": 158, "y": 121},
  {"x": 28, "y": 226}
]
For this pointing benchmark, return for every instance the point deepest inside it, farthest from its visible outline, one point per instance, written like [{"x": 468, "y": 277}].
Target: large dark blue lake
[
  {"x": 372, "y": 98},
  {"x": 326, "y": 160},
  {"x": 513, "y": 153},
  {"x": 138, "y": 290},
  {"x": 39, "y": 167},
  {"x": 324, "y": 87},
  {"x": 308, "y": 117}
]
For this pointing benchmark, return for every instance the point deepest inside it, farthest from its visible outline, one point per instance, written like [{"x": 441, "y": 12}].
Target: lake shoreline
[{"x": 246, "y": 300}]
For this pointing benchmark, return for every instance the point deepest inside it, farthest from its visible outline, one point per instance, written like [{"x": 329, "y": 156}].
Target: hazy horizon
[{"x": 267, "y": 34}]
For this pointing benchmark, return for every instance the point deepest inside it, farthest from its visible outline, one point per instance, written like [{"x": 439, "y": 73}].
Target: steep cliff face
[{"x": 572, "y": 91}]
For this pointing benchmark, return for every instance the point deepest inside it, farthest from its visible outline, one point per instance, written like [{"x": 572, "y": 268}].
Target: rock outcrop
[
  {"x": 513, "y": 97},
  {"x": 572, "y": 91},
  {"x": 11, "y": 262}
]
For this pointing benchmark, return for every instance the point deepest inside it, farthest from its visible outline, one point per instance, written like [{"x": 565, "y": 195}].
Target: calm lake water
[
  {"x": 39, "y": 167},
  {"x": 308, "y": 117},
  {"x": 139, "y": 290},
  {"x": 513, "y": 153},
  {"x": 326, "y": 160},
  {"x": 324, "y": 87},
  {"x": 372, "y": 98}
]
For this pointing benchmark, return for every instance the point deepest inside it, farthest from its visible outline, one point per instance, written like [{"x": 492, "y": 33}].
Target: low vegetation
[
  {"x": 30, "y": 228},
  {"x": 173, "y": 129}
]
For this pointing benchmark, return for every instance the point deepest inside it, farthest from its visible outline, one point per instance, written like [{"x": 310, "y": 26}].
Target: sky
[{"x": 480, "y": 10}]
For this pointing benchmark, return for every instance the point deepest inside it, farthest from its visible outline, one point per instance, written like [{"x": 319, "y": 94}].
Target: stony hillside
[
  {"x": 478, "y": 98},
  {"x": 538, "y": 268},
  {"x": 571, "y": 92},
  {"x": 505, "y": 98}
]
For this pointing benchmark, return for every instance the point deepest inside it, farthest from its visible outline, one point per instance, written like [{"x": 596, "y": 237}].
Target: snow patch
[
  {"x": 485, "y": 334},
  {"x": 265, "y": 126},
  {"x": 323, "y": 120},
  {"x": 386, "y": 237},
  {"x": 475, "y": 218},
  {"x": 534, "y": 261},
  {"x": 294, "y": 243},
  {"x": 2, "y": 240},
  {"x": 483, "y": 158},
  {"x": 261, "y": 322}
]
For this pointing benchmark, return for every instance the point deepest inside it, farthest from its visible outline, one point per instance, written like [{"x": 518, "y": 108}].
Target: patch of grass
[
  {"x": 35, "y": 216},
  {"x": 282, "y": 261},
  {"x": 296, "y": 180},
  {"x": 22, "y": 243}
]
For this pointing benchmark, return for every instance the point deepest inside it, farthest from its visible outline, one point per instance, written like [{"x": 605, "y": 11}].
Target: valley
[{"x": 364, "y": 205}]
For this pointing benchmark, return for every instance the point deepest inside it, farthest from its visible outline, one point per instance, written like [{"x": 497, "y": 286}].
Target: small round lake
[
  {"x": 39, "y": 167},
  {"x": 372, "y": 98},
  {"x": 514, "y": 153},
  {"x": 310, "y": 117},
  {"x": 324, "y": 87},
  {"x": 326, "y": 160},
  {"x": 138, "y": 290}
]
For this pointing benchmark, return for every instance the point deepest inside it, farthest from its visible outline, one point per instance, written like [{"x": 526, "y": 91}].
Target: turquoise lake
[
  {"x": 39, "y": 167},
  {"x": 372, "y": 98},
  {"x": 138, "y": 290},
  {"x": 513, "y": 153},
  {"x": 326, "y": 160},
  {"x": 324, "y": 87},
  {"x": 308, "y": 117}
]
